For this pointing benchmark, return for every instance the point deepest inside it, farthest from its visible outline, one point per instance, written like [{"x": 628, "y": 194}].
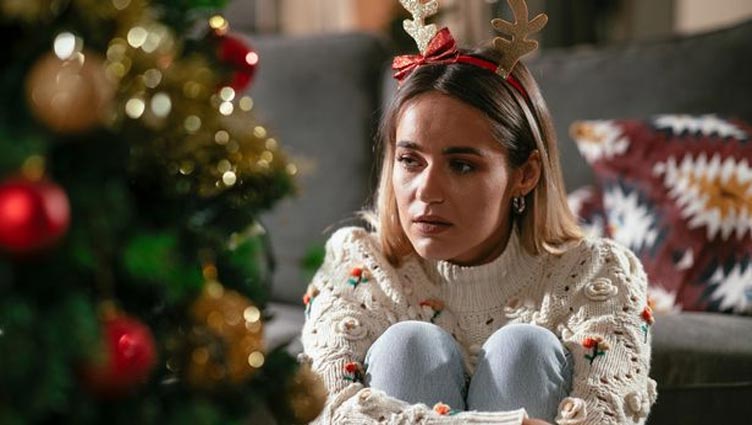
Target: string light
[
  {"x": 222, "y": 137},
  {"x": 227, "y": 94},
  {"x": 226, "y": 108},
  {"x": 219, "y": 24},
  {"x": 66, "y": 44},
  {"x": 152, "y": 78},
  {"x": 192, "y": 123},
  {"x": 245, "y": 103},
  {"x": 229, "y": 178},
  {"x": 137, "y": 36},
  {"x": 256, "y": 359},
  {"x": 161, "y": 105},
  {"x": 259, "y": 132},
  {"x": 135, "y": 107}
]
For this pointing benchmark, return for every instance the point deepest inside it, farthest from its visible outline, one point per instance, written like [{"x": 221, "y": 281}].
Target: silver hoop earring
[{"x": 518, "y": 204}]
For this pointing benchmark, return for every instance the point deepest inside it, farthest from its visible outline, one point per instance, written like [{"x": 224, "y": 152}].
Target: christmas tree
[{"x": 133, "y": 272}]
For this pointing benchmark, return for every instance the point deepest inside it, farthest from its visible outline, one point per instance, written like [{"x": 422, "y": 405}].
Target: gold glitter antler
[
  {"x": 417, "y": 27},
  {"x": 518, "y": 45}
]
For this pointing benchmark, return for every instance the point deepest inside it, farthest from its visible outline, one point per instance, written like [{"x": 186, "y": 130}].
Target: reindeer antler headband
[{"x": 439, "y": 47}]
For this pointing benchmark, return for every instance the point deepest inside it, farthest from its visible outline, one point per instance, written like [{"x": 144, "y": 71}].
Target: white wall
[{"x": 703, "y": 15}]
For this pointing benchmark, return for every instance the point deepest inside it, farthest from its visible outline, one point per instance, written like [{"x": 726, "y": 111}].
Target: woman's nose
[{"x": 430, "y": 186}]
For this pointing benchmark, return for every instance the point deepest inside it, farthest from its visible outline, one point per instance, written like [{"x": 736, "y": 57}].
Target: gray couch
[{"x": 322, "y": 97}]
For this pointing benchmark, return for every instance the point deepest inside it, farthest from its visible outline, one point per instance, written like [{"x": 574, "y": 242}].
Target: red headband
[{"x": 442, "y": 49}]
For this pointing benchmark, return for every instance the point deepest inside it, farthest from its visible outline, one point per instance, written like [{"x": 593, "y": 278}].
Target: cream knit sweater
[{"x": 593, "y": 297}]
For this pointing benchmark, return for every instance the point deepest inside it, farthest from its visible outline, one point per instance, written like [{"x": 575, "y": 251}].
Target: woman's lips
[{"x": 429, "y": 225}]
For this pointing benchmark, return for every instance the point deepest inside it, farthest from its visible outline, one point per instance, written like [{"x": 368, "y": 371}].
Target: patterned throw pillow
[{"x": 677, "y": 190}]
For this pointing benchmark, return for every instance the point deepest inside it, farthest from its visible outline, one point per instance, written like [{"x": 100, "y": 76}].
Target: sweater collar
[{"x": 494, "y": 282}]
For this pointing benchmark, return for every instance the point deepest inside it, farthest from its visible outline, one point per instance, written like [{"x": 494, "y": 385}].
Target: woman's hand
[{"x": 530, "y": 421}]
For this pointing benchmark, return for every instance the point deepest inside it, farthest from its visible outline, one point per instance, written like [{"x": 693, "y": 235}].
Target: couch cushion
[
  {"x": 320, "y": 97},
  {"x": 677, "y": 190},
  {"x": 702, "y": 406},
  {"x": 702, "y": 350},
  {"x": 706, "y": 73},
  {"x": 703, "y": 365}
]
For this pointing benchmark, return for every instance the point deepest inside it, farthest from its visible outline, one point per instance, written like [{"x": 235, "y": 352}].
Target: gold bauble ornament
[
  {"x": 69, "y": 95},
  {"x": 227, "y": 339},
  {"x": 307, "y": 395}
]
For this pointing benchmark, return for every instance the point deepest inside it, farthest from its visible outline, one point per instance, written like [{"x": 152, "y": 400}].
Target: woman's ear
[{"x": 528, "y": 175}]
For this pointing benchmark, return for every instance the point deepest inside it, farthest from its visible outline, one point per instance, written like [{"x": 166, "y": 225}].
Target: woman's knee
[
  {"x": 414, "y": 334},
  {"x": 415, "y": 338},
  {"x": 525, "y": 338},
  {"x": 521, "y": 365},
  {"x": 417, "y": 362}
]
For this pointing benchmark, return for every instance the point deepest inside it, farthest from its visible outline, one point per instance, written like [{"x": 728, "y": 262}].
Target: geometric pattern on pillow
[
  {"x": 587, "y": 204},
  {"x": 677, "y": 190}
]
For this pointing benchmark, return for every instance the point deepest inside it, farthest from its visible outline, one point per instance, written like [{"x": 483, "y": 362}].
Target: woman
[{"x": 477, "y": 293}]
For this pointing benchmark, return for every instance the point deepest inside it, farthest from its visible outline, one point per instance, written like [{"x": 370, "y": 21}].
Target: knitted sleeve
[
  {"x": 608, "y": 333},
  {"x": 349, "y": 304}
]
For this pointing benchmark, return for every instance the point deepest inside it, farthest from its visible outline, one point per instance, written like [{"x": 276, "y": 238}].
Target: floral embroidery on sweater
[
  {"x": 353, "y": 372},
  {"x": 433, "y": 307},
  {"x": 444, "y": 409},
  {"x": 597, "y": 346},
  {"x": 647, "y": 316},
  {"x": 358, "y": 275},
  {"x": 308, "y": 298}
]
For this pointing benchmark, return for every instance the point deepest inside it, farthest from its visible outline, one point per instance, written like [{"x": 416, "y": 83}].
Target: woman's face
[{"x": 451, "y": 180}]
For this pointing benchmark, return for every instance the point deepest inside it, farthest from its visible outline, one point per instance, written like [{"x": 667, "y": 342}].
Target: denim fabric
[
  {"x": 417, "y": 362},
  {"x": 519, "y": 365}
]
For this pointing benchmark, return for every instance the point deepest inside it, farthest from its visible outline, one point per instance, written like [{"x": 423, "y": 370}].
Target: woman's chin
[{"x": 433, "y": 250}]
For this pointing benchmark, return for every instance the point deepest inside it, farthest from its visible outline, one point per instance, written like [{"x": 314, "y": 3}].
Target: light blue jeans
[{"x": 519, "y": 366}]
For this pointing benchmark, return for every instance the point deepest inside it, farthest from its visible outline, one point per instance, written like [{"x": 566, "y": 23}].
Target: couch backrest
[
  {"x": 320, "y": 97},
  {"x": 706, "y": 73}
]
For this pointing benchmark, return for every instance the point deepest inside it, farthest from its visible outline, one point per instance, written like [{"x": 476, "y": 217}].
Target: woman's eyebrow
[
  {"x": 462, "y": 150},
  {"x": 446, "y": 151},
  {"x": 408, "y": 145}
]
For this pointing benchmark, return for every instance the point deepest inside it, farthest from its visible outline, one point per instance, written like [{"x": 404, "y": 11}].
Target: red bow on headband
[{"x": 442, "y": 49}]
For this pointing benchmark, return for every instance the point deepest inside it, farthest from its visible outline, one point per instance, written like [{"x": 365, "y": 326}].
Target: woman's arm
[
  {"x": 608, "y": 334},
  {"x": 347, "y": 310}
]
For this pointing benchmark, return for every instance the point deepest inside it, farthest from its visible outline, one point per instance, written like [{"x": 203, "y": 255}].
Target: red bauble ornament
[
  {"x": 241, "y": 57},
  {"x": 33, "y": 215},
  {"x": 128, "y": 358}
]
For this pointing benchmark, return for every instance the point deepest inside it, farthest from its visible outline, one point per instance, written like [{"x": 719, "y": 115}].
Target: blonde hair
[{"x": 547, "y": 224}]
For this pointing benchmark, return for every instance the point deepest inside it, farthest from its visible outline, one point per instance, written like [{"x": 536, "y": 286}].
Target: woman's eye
[
  {"x": 461, "y": 167},
  {"x": 407, "y": 161}
]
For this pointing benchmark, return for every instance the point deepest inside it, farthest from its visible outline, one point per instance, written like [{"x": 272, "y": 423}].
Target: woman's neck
[{"x": 487, "y": 251}]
